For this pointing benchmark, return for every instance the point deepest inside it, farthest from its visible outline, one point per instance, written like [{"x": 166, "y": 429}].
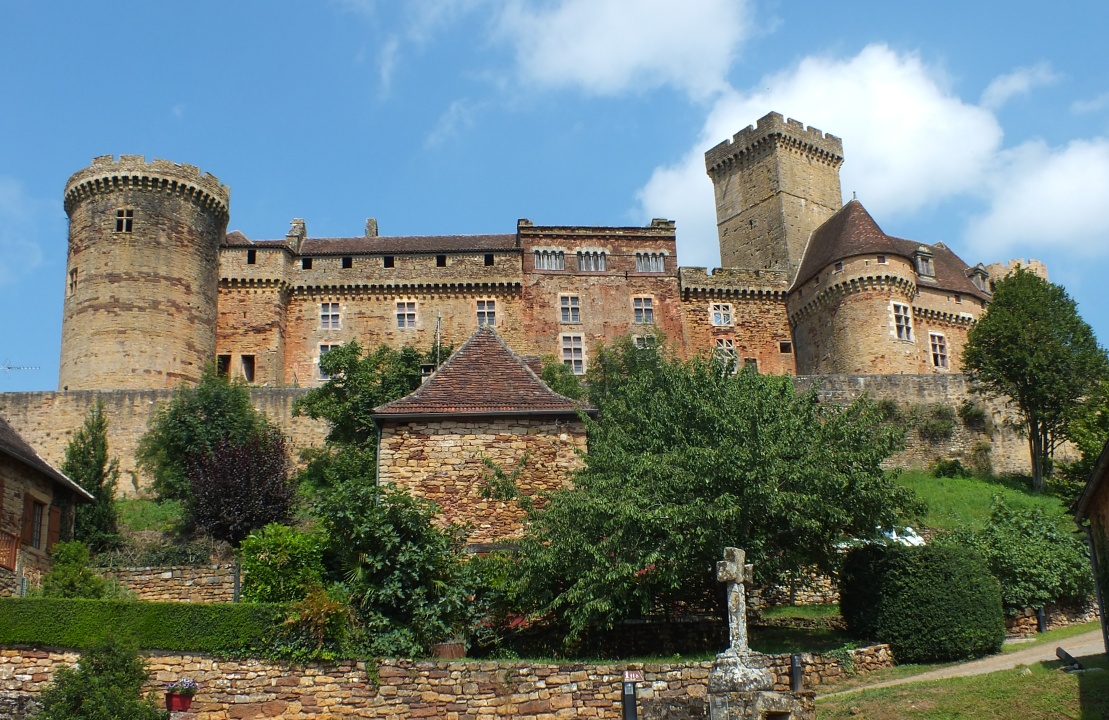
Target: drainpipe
[{"x": 377, "y": 454}]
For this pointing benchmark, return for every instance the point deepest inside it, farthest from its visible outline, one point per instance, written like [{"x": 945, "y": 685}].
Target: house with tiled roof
[
  {"x": 484, "y": 408},
  {"x": 36, "y": 503}
]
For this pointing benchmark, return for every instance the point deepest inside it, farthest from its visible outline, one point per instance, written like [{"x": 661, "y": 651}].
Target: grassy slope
[{"x": 965, "y": 502}]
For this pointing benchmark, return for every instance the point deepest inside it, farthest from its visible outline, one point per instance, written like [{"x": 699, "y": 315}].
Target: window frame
[
  {"x": 937, "y": 344},
  {"x": 724, "y": 311},
  {"x": 573, "y": 352},
  {"x": 407, "y": 311},
  {"x": 330, "y": 316},
  {"x": 125, "y": 220},
  {"x": 487, "y": 312},
  {"x": 569, "y": 307},
  {"x": 324, "y": 348},
  {"x": 902, "y": 321},
  {"x": 550, "y": 260},
  {"x": 643, "y": 310},
  {"x": 650, "y": 262},
  {"x": 596, "y": 260}
]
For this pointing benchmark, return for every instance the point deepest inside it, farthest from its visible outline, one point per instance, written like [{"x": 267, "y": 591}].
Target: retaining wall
[{"x": 201, "y": 584}]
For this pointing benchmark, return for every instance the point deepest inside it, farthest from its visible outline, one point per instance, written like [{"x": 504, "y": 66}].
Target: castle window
[
  {"x": 571, "y": 308},
  {"x": 591, "y": 261},
  {"x": 73, "y": 281},
  {"x": 751, "y": 364},
  {"x": 838, "y": 267},
  {"x": 924, "y": 265},
  {"x": 248, "y": 367},
  {"x": 488, "y": 259},
  {"x": 33, "y": 514},
  {"x": 903, "y": 321},
  {"x": 721, "y": 314},
  {"x": 329, "y": 316},
  {"x": 251, "y": 256},
  {"x": 645, "y": 342},
  {"x": 650, "y": 262},
  {"x": 223, "y": 365},
  {"x": 881, "y": 259},
  {"x": 939, "y": 350},
  {"x": 125, "y": 221},
  {"x": 785, "y": 347},
  {"x": 644, "y": 310},
  {"x": 724, "y": 352},
  {"x": 325, "y": 349},
  {"x": 958, "y": 299},
  {"x": 406, "y": 314},
  {"x": 550, "y": 260},
  {"x": 440, "y": 261},
  {"x": 348, "y": 263},
  {"x": 573, "y": 354},
  {"x": 387, "y": 261},
  {"x": 306, "y": 263},
  {"x": 486, "y": 312}
]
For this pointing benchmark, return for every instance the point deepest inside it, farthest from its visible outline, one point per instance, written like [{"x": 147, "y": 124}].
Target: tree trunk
[{"x": 1036, "y": 447}]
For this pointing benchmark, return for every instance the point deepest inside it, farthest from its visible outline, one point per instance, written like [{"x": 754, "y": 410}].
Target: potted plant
[{"x": 179, "y": 695}]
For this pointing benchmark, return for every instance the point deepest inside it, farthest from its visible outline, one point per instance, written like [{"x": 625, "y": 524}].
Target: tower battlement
[
  {"x": 107, "y": 174},
  {"x": 826, "y": 146}
]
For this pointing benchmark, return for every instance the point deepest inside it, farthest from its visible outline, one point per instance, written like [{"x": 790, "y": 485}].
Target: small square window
[
  {"x": 751, "y": 363},
  {"x": 223, "y": 365},
  {"x": 644, "y": 310},
  {"x": 248, "y": 367},
  {"x": 125, "y": 220},
  {"x": 573, "y": 353},
  {"x": 881, "y": 259},
  {"x": 251, "y": 256},
  {"x": 571, "y": 308},
  {"x": 406, "y": 314},
  {"x": 958, "y": 298},
  {"x": 440, "y": 261},
  {"x": 329, "y": 316},
  {"x": 486, "y": 313},
  {"x": 348, "y": 263},
  {"x": 720, "y": 314},
  {"x": 306, "y": 263},
  {"x": 838, "y": 267},
  {"x": 645, "y": 342},
  {"x": 785, "y": 347},
  {"x": 387, "y": 261},
  {"x": 488, "y": 259}
]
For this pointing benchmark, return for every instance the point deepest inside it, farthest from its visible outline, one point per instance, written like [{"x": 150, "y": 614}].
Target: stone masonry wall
[
  {"x": 411, "y": 689},
  {"x": 444, "y": 462},
  {"x": 202, "y": 584}
]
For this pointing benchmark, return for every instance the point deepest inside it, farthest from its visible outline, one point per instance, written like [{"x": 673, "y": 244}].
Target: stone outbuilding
[
  {"x": 484, "y": 410},
  {"x": 34, "y": 499}
]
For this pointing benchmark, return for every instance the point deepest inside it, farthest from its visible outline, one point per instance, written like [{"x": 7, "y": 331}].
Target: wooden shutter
[
  {"x": 28, "y": 518},
  {"x": 54, "y": 532}
]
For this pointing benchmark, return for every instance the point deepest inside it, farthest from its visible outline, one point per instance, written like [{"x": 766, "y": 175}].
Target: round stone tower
[{"x": 142, "y": 274}]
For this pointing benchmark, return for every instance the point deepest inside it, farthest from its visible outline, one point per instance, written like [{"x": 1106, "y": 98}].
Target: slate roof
[
  {"x": 14, "y": 446},
  {"x": 852, "y": 231},
  {"x": 483, "y": 377},
  {"x": 395, "y": 245}
]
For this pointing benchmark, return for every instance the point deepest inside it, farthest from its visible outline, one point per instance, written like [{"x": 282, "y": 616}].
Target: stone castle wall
[{"x": 399, "y": 689}]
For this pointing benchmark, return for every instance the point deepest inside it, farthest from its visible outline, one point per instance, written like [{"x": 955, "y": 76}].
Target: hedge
[{"x": 179, "y": 627}]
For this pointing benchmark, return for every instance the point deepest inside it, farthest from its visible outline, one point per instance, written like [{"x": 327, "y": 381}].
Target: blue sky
[{"x": 982, "y": 125}]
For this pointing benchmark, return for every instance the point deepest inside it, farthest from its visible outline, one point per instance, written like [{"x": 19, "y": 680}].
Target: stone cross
[{"x": 733, "y": 571}]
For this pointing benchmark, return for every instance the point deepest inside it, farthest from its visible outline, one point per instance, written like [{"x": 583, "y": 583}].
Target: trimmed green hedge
[{"x": 180, "y": 627}]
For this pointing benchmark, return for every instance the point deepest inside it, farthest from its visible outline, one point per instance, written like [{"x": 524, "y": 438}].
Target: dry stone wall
[
  {"x": 399, "y": 689},
  {"x": 201, "y": 584}
]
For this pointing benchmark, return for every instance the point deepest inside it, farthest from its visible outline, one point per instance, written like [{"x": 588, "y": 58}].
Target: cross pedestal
[{"x": 737, "y": 669}]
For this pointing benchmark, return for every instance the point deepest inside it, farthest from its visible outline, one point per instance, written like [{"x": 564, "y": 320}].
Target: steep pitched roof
[
  {"x": 852, "y": 231},
  {"x": 14, "y": 446},
  {"x": 483, "y": 377}
]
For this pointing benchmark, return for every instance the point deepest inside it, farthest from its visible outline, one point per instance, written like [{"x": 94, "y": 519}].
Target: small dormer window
[
  {"x": 924, "y": 265},
  {"x": 981, "y": 279}
]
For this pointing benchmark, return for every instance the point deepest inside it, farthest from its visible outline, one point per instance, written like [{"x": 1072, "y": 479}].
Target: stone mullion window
[
  {"x": 720, "y": 314},
  {"x": 644, "y": 310},
  {"x": 329, "y": 316},
  {"x": 591, "y": 261},
  {"x": 550, "y": 260},
  {"x": 406, "y": 314},
  {"x": 903, "y": 322},
  {"x": 570, "y": 308},
  {"x": 939, "y": 349},
  {"x": 325, "y": 349},
  {"x": 573, "y": 353},
  {"x": 487, "y": 313},
  {"x": 650, "y": 262},
  {"x": 125, "y": 220}
]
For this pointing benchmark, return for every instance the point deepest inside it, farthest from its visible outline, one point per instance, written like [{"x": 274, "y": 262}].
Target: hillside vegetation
[{"x": 965, "y": 502}]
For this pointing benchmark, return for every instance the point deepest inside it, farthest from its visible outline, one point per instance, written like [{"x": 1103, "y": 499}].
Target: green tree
[
  {"x": 1088, "y": 430},
  {"x": 106, "y": 685},
  {"x": 685, "y": 459},
  {"x": 192, "y": 424},
  {"x": 559, "y": 377},
  {"x": 1031, "y": 346},
  {"x": 87, "y": 464},
  {"x": 70, "y": 575}
]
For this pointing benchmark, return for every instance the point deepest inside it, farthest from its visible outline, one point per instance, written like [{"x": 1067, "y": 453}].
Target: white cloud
[
  {"x": 459, "y": 116},
  {"x": 1043, "y": 197},
  {"x": 613, "y": 46},
  {"x": 909, "y": 141},
  {"x": 1092, "y": 105},
  {"x": 1019, "y": 82},
  {"x": 20, "y": 218}
]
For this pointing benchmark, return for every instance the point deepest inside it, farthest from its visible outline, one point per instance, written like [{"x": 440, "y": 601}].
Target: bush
[
  {"x": 937, "y": 423},
  {"x": 280, "y": 564},
  {"x": 181, "y": 627},
  {"x": 950, "y": 469},
  {"x": 106, "y": 685},
  {"x": 1036, "y": 558},
  {"x": 931, "y": 603},
  {"x": 70, "y": 576},
  {"x": 316, "y": 627},
  {"x": 975, "y": 416},
  {"x": 164, "y": 553}
]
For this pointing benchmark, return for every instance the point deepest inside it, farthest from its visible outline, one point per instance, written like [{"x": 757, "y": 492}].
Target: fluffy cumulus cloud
[
  {"x": 1019, "y": 82},
  {"x": 612, "y": 46},
  {"x": 1042, "y": 197},
  {"x": 909, "y": 141}
]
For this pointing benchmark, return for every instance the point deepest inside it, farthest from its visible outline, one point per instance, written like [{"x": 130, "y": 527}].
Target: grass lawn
[
  {"x": 965, "y": 502},
  {"x": 777, "y": 641},
  {"x": 802, "y": 611},
  {"x": 142, "y": 515},
  {"x": 1041, "y": 691}
]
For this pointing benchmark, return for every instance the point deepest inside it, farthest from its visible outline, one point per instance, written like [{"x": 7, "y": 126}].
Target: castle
[{"x": 157, "y": 287}]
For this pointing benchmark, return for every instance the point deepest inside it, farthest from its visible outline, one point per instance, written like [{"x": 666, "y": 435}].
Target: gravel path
[{"x": 1078, "y": 646}]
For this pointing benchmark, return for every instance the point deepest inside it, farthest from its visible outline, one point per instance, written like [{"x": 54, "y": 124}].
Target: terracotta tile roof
[
  {"x": 852, "y": 231},
  {"x": 398, "y": 245},
  {"x": 483, "y": 377},
  {"x": 14, "y": 446}
]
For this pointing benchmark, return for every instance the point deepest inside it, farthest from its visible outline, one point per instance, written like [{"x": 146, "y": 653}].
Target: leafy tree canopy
[
  {"x": 1032, "y": 346},
  {"x": 192, "y": 424},
  {"x": 87, "y": 464},
  {"x": 106, "y": 685},
  {"x": 685, "y": 459},
  {"x": 559, "y": 377}
]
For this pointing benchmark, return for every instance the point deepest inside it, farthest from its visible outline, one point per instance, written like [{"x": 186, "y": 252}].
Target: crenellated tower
[
  {"x": 142, "y": 274},
  {"x": 775, "y": 183}
]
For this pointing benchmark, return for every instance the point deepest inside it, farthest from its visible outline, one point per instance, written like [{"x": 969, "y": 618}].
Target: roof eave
[{"x": 447, "y": 414}]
